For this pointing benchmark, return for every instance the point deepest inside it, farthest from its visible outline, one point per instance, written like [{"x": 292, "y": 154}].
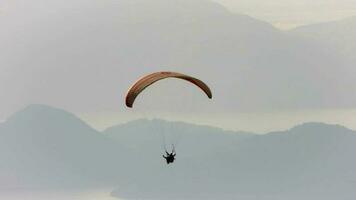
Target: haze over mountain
[
  {"x": 190, "y": 140},
  {"x": 310, "y": 161},
  {"x": 43, "y": 146},
  {"x": 288, "y": 14},
  {"x": 85, "y": 54},
  {"x": 339, "y": 35}
]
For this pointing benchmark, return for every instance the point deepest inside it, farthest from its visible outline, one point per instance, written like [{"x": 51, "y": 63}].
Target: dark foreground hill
[
  {"x": 47, "y": 147},
  {"x": 42, "y": 146},
  {"x": 310, "y": 161}
]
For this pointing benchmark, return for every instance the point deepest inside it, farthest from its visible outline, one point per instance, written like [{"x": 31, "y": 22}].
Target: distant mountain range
[
  {"x": 115, "y": 42},
  {"x": 42, "y": 146},
  {"x": 339, "y": 35}
]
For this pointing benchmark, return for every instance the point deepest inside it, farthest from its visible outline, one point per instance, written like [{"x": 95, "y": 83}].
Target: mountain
[
  {"x": 43, "y": 146},
  {"x": 309, "y": 161},
  {"x": 190, "y": 140},
  {"x": 115, "y": 42},
  {"x": 338, "y": 35}
]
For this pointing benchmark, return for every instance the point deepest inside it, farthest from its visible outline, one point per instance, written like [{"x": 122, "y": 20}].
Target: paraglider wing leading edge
[{"x": 148, "y": 80}]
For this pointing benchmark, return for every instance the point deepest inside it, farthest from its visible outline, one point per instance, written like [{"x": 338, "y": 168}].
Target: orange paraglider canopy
[{"x": 148, "y": 80}]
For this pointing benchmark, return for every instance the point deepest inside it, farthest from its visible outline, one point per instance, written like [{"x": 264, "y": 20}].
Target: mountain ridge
[
  {"x": 300, "y": 161},
  {"x": 42, "y": 111}
]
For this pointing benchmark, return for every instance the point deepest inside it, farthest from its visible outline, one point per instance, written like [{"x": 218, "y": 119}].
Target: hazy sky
[
  {"x": 282, "y": 13},
  {"x": 291, "y": 13},
  {"x": 82, "y": 56}
]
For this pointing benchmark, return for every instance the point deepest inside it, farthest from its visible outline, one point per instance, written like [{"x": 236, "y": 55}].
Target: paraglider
[
  {"x": 144, "y": 82},
  {"x": 148, "y": 80}
]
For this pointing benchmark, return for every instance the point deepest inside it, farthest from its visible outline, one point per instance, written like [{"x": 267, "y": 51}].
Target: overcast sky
[
  {"x": 282, "y": 13},
  {"x": 82, "y": 55},
  {"x": 291, "y": 13}
]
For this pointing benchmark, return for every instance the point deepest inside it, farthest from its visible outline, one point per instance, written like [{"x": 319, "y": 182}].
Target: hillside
[
  {"x": 338, "y": 35},
  {"x": 310, "y": 161},
  {"x": 45, "y": 147}
]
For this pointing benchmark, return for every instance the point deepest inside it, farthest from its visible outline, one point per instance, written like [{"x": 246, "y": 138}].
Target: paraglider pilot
[{"x": 170, "y": 157}]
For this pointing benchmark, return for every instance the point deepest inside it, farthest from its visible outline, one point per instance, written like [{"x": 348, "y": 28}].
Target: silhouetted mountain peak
[
  {"x": 42, "y": 117},
  {"x": 39, "y": 110},
  {"x": 40, "y": 139},
  {"x": 318, "y": 127},
  {"x": 312, "y": 135},
  {"x": 328, "y": 25}
]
